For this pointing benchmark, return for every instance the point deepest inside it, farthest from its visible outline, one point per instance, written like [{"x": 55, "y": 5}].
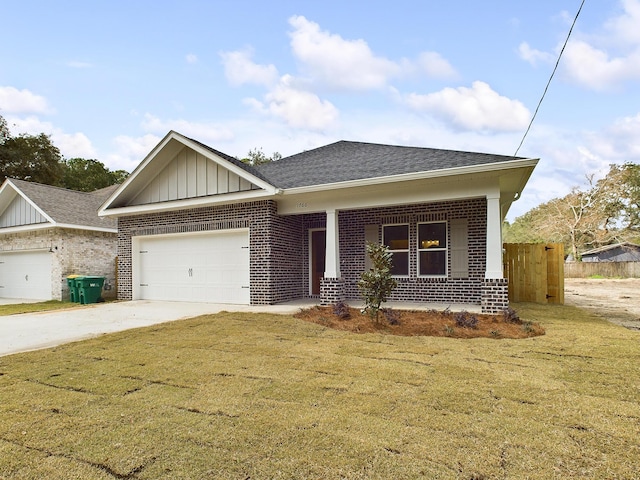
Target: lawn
[{"x": 258, "y": 396}]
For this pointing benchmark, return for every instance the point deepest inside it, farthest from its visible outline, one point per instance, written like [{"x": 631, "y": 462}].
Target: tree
[
  {"x": 31, "y": 157},
  {"x": 605, "y": 212},
  {"x": 89, "y": 175},
  {"x": 377, "y": 284},
  {"x": 257, "y": 157},
  {"x": 4, "y": 131}
]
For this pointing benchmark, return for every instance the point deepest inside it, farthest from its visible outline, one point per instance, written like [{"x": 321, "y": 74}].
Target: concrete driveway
[{"x": 32, "y": 331}]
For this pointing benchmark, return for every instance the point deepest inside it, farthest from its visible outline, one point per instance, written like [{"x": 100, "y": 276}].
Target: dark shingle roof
[
  {"x": 343, "y": 161},
  {"x": 69, "y": 206}
]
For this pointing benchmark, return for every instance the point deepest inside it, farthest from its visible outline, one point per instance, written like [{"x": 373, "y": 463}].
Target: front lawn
[
  {"x": 258, "y": 396},
  {"x": 15, "y": 308}
]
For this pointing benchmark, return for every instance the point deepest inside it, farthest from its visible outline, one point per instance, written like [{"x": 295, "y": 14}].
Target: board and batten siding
[
  {"x": 190, "y": 175},
  {"x": 20, "y": 212}
]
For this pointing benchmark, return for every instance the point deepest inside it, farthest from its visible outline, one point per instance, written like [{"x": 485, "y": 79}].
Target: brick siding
[{"x": 279, "y": 250}]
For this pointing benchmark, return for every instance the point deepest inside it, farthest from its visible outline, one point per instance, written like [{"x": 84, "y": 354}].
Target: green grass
[
  {"x": 238, "y": 396},
  {"x": 13, "y": 309}
]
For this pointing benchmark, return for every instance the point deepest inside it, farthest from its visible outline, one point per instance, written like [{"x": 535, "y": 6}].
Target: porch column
[
  {"x": 332, "y": 259},
  {"x": 332, "y": 286},
  {"x": 494, "y": 238}
]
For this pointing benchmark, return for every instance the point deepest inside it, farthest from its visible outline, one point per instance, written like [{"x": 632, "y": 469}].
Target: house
[
  {"x": 195, "y": 224},
  {"x": 619, "y": 252},
  {"x": 47, "y": 233}
]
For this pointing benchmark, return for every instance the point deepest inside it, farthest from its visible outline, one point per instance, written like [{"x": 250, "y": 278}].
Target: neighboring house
[
  {"x": 195, "y": 224},
  {"x": 620, "y": 252},
  {"x": 47, "y": 233}
]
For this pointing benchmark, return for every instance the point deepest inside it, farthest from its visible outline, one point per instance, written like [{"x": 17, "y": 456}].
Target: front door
[{"x": 318, "y": 251}]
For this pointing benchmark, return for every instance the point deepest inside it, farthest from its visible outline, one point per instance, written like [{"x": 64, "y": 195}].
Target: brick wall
[
  {"x": 279, "y": 249},
  {"x": 414, "y": 288},
  {"x": 81, "y": 252},
  {"x": 275, "y": 246}
]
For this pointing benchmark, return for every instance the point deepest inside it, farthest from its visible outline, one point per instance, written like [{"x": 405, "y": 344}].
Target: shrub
[
  {"x": 341, "y": 310},
  {"x": 377, "y": 284},
  {"x": 392, "y": 316},
  {"x": 509, "y": 315},
  {"x": 466, "y": 320}
]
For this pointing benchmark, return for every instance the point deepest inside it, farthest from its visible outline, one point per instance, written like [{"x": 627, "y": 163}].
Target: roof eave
[
  {"x": 446, "y": 172},
  {"x": 184, "y": 204}
]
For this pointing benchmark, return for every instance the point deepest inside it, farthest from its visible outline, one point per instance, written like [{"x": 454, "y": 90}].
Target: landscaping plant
[{"x": 376, "y": 284}]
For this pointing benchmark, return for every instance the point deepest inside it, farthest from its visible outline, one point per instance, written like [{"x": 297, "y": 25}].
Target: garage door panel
[
  {"x": 211, "y": 267},
  {"x": 25, "y": 275}
]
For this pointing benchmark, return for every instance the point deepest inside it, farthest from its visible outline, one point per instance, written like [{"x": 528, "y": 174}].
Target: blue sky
[{"x": 108, "y": 80}]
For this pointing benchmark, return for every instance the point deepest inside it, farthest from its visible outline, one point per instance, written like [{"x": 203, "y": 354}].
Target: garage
[
  {"x": 25, "y": 275},
  {"x": 192, "y": 267}
]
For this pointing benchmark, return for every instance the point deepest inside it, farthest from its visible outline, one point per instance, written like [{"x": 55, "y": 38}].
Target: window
[
  {"x": 432, "y": 249},
  {"x": 396, "y": 238}
]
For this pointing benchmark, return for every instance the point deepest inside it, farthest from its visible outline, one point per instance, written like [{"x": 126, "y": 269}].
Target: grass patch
[
  {"x": 16, "y": 308},
  {"x": 266, "y": 396}
]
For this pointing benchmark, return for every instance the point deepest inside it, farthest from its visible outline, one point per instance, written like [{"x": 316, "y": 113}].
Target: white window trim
[{"x": 445, "y": 249}]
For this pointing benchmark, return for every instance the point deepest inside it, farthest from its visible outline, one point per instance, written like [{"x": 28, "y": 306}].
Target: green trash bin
[
  {"x": 73, "y": 289},
  {"x": 90, "y": 289}
]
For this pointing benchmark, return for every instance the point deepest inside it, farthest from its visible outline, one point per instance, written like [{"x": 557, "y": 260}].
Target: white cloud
[
  {"x": 200, "y": 130},
  {"x": 620, "y": 142},
  {"x": 298, "y": 108},
  {"x": 477, "y": 108},
  {"x": 338, "y": 62},
  {"x": 191, "y": 58},
  {"x": 624, "y": 27},
  {"x": 604, "y": 60},
  {"x": 74, "y": 145},
  {"x": 130, "y": 151},
  {"x": 532, "y": 55},
  {"x": 71, "y": 145},
  {"x": 328, "y": 59},
  {"x": 593, "y": 68},
  {"x": 240, "y": 69},
  {"x": 435, "y": 66},
  {"x": 13, "y": 100}
]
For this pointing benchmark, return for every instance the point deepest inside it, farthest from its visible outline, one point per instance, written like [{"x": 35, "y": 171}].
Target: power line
[{"x": 550, "y": 78}]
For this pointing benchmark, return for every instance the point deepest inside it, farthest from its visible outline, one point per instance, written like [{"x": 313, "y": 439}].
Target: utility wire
[{"x": 550, "y": 78}]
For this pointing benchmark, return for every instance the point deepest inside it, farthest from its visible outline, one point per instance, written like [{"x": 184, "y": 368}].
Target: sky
[{"x": 108, "y": 79}]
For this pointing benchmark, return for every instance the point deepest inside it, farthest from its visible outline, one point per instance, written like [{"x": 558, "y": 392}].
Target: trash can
[
  {"x": 73, "y": 289},
  {"x": 89, "y": 289}
]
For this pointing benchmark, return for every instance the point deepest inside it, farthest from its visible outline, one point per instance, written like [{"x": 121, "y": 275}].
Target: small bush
[
  {"x": 509, "y": 315},
  {"x": 527, "y": 327},
  {"x": 448, "y": 330},
  {"x": 341, "y": 310},
  {"x": 392, "y": 316},
  {"x": 466, "y": 320}
]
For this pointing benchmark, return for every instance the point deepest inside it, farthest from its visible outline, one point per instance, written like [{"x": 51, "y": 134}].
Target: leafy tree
[
  {"x": 607, "y": 211},
  {"x": 31, "y": 157},
  {"x": 4, "y": 131},
  {"x": 88, "y": 175},
  {"x": 377, "y": 284},
  {"x": 258, "y": 157}
]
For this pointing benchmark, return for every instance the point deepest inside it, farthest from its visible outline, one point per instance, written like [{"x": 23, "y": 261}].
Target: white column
[
  {"x": 332, "y": 258},
  {"x": 494, "y": 238}
]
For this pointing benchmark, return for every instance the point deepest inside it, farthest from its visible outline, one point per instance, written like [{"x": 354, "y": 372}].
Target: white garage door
[
  {"x": 25, "y": 275},
  {"x": 202, "y": 267}
]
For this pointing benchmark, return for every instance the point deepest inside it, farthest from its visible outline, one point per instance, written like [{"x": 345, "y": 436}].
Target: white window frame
[
  {"x": 431, "y": 249},
  {"x": 402, "y": 250}
]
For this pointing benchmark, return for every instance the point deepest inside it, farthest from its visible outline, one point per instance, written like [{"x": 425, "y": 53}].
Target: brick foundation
[
  {"x": 331, "y": 291},
  {"x": 495, "y": 295}
]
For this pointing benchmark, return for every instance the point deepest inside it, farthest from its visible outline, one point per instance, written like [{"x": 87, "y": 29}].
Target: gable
[
  {"x": 190, "y": 174},
  {"x": 20, "y": 212}
]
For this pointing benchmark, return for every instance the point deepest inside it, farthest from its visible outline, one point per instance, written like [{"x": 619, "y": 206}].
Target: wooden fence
[
  {"x": 603, "y": 269},
  {"x": 535, "y": 272}
]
